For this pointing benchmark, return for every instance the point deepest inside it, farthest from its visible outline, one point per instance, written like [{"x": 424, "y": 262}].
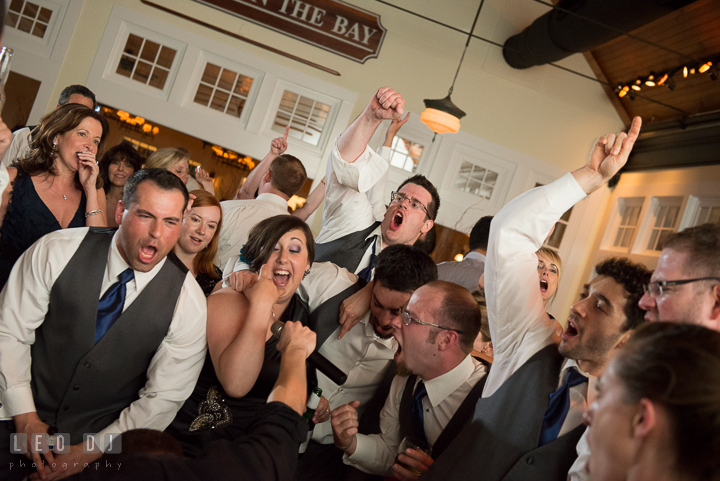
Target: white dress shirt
[
  {"x": 519, "y": 325},
  {"x": 173, "y": 370},
  {"x": 361, "y": 354},
  {"x": 19, "y": 146},
  {"x": 578, "y": 471},
  {"x": 239, "y": 217},
  {"x": 4, "y": 178},
  {"x": 375, "y": 453},
  {"x": 466, "y": 273}
]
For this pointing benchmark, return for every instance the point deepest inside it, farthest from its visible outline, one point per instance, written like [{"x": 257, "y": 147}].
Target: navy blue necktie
[
  {"x": 366, "y": 274},
  {"x": 111, "y": 304},
  {"x": 558, "y": 407},
  {"x": 416, "y": 412}
]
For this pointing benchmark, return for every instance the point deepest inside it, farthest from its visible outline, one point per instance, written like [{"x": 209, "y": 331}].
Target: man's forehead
[
  {"x": 608, "y": 288},
  {"x": 672, "y": 265},
  {"x": 152, "y": 198},
  {"x": 414, "y": 190}
]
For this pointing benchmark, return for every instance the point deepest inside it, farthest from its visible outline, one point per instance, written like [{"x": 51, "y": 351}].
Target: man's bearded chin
[
  {"x": 401, "y": 369},
  {"x": 378, "y": 330}
]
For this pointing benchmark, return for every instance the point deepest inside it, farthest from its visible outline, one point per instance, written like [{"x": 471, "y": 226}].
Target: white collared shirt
[
  {"x": 239, "y": 216},
  {"x": 375, "y": 453},
  {"x": 173, "y": 370},
  {"x": 19, "y": 146},
  {"x": 465, "y": 273},
  {"x": 519, "y": 325}
]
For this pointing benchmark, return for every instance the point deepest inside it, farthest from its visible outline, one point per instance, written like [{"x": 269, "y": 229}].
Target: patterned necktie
[
  {"x": 558, "y": 407},
  {"x": 366, "y": 274},
  {"x": 111, "y": 304},
  {"x": 416, "y": 412}
]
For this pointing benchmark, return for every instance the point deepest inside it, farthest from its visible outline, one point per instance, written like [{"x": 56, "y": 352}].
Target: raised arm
[
  {"x": 385, "y": 104},
  {"x": 312, "y": 202},
  {"x": 237, "y": 330},
  {"x": 252, "y": 183},
  {"x": 296, "y": 343},
  {"x": 394, "y": 128}
]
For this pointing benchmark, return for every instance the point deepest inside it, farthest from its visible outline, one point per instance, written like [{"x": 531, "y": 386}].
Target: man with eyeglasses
[
  {"x": 355, "y": 229},
  {"x": 685, "y": 286},
  {"x": 435, "y": 389},
  {"x": 529, "y": 420}
]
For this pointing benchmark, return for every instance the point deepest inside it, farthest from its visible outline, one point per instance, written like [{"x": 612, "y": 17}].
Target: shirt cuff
[
  {"x": 362, "y": 174},
  {"x": 233, "y": 264},
  {"x": 364, "y": 450},
  {"x": 17, "y": 400}
]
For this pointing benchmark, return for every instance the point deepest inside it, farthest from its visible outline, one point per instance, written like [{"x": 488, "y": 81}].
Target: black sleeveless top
[
  {"x": 221, "y": 416},
  {"x": 27, "y": 219}
]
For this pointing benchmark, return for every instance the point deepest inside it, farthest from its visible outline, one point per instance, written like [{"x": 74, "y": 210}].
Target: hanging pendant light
[{"x": 442, "y": 115}]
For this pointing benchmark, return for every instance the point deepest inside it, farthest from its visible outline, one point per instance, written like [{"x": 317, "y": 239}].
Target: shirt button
[
  {"x": 87, "y": 365},
  {"x": 529, "y": 460},
  {"x": 76, "y": 387}
]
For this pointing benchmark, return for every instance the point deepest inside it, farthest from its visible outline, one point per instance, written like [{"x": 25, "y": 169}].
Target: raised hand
[
  {"x": 608, "y": 156},
  {"x": 296, "y": 336},
  {"x": 241, "y": 280},
  {"x": 344, "y": 421},
  {"x": 264, "y": 290},
  {"x": 204, "y": 179},
  {"x": 387, "y": 104},
  {"x": 87, "y": 170},
  {"x": 279, "y": 146}
]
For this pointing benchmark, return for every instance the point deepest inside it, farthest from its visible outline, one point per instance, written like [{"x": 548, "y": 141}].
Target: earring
[
  {"x": 306, "y": 273},
  {"x": 54, "y": 144}
]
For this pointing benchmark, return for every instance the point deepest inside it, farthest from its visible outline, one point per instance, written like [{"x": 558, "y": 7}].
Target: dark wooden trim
[{"x": 241, "y": 38}]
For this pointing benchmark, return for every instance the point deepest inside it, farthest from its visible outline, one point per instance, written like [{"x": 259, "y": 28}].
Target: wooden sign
[{"x": 328, "y": 24}]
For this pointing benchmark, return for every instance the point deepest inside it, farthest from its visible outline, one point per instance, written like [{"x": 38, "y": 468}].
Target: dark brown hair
[
  {"x": 121, "y": 152},
  {"x": 458, "y": 310},
  {"x": 678, "y": 367},
  {"x": 266, "y": 234},
  {"x": 632, "y": 276},
  {"x": 287, "y": 174},
  {"x": 702, "y": 245},
  {"x": 41, "y": 159}
]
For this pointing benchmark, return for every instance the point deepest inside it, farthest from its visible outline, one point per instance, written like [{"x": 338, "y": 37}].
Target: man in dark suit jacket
[{"x": 518, "y": 432}]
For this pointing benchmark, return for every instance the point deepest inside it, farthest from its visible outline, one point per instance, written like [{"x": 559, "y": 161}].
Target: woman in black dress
[{"x": 243, "y": 362}]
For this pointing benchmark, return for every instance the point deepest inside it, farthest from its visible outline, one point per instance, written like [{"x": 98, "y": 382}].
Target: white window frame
[
  {"x": 280, "y": 88},
  {"x": 643, "y": 235},
  {"x": 127, "y": 28},
  {"x": 208, "y": 57},
  {"x": 42, "y": 47},
  {"x": 695, "y": 203},
  {"x": 614, "y": 224}
]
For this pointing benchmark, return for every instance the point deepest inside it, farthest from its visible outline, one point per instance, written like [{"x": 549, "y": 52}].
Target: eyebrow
[
  {"x": 602, "y": 298},
  {"x": 296, "y": 238},
  {"x": 143, "y": 211}
]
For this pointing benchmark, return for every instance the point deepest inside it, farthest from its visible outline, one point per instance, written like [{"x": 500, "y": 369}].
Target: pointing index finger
[{"x": 287, "y": 129}]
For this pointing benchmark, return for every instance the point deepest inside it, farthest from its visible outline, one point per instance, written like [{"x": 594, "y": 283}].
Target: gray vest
[
  {"x": 346, "y": 251},
  {"x": 501, "y": 440},
  {"x": 79, "y": 386}
]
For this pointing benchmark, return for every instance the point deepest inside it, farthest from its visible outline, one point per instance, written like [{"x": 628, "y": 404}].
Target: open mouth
[
  {"x": 147, "y": 254},
  {"x": 281, "y": 277},
  {"x": 397, "y": 220},
  {"x": 543, "y": 285},
  {"x": 571, "y": 330},
  {"x": 195, "y": 240},
  {"x": 398, "y": 352}
]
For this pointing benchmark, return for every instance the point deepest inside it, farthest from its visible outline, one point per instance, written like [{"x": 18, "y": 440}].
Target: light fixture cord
[{"x": 470, "y": 35}]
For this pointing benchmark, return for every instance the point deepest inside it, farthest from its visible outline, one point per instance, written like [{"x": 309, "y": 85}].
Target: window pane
[
  {"x": 25, "y": 24},
  {"x": 662, "y": 212},
  {"x": 142, "y": 72},
  {"x": 16, "y": 5},
  {"x": 311, "y": 138},
  {"x": 465, "y": 169},
  {"x": 11, "y": 19},
  {"x": 491, "y": 177},
  {"x": 626, "y": 237},
  {"x": 133, "y": 44},
  {"x": 486, "y": 191},
  {"x": 45, "y": 15},
  {"x": 626, "y": 216},
  {"x": 653, "y": 238},
  {"x": 460, "y": 183},
  {"x": 39, "y": 30},
  {"x": 219, "y": 100},
  {"x": 478, "y": 174},
  {"x": 410, "y": 165},
  {"x": 30, "y": 9},
  {"x": 398, "y": 160},
  {"x": 242, "y": 87},
  {"x": 671, "y": 216},
  {"x": 473, "y": 187},
  {"x": 227, "y": 80},
  {"x": 634, "y": 215},
  {"x": 714, "y": 216},
  {"x": 125, "y": 66},
  {"x": 663, "y": 235},
  {"x": 288, "y": 101},
  {"x": 236, "y": 105},
  {"x": 618, "y": 237},
  {"x": 166, "y": 57},
  {"x": 203, "y": 94},
  {"x": 149, "y": 51},
  {"x": 211, "y": 73},
  {"x": 159, "y": 77}
]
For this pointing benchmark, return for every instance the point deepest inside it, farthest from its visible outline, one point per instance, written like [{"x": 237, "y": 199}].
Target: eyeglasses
[
  {"x": 655, "y": 289},
  {"x": 407, "y": 319},
  {"x": 414, "y": 203}
]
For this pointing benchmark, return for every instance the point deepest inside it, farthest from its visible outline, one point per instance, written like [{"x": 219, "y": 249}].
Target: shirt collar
[
  {"x": 474, "y": 255},
  {"x": 376, "y": 232},
  {"x": 272, "y": 199},
  {"x": 442, "y": 386},
  {"x": 592, "y": 380},
  {"x": 390, "y": 343},
  {"x": 116, "y": 265}
]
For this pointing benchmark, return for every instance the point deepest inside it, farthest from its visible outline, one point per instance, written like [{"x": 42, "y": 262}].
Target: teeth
[{"x": 281, "y": 272}]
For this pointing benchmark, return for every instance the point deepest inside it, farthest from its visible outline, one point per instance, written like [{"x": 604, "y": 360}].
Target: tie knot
[
  {"x": 126, "y": 276},
  {"x": 574, "y": 377},
  {"x": 420, "y": 391}
]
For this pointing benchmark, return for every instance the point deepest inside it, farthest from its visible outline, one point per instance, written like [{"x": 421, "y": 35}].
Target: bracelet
[{"x": 93, "y": 212}]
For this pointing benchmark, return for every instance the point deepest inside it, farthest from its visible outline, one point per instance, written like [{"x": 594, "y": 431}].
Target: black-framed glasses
[
  {"x": 656, "y": 288},
  {"x": 414, "y": 203},
  {"x": 406, "y": 318}
]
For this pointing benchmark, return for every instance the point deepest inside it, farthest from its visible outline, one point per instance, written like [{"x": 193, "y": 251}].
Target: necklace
[{"x": 62, "y": 195}]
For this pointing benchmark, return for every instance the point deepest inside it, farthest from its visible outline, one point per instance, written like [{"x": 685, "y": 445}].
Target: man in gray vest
[
  {"x": 435, "y": 389},
  {"x": 467, "y": 273},
  {"x": 353, "y": 231},
  {"x": 529, "y": 420},
  {"x": 101, "y": 331}
]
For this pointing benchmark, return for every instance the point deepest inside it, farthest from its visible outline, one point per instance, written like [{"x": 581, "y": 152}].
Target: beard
[
  {"x": 377, "y": 329},
  {"x": 401, "y": 369}
]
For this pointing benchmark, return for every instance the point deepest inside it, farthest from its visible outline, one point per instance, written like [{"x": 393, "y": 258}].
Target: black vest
[
  {"x": 461, "y": 416},
  {"x": 79, "y": 386},
  {"x": 348, "y": 250},
  {"x": 501, "y": 440}
]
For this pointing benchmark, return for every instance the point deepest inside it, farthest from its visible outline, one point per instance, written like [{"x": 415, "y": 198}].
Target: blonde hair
[
  {"x": 167, "y": 157},
  {"x": 555, "y": 258}
]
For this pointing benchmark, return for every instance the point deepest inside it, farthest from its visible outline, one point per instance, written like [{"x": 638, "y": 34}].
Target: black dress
[
  {"x": 213, "y": 415},
  {"x": 207, "y": 283},
  {"x": 27, "y": 219}
]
